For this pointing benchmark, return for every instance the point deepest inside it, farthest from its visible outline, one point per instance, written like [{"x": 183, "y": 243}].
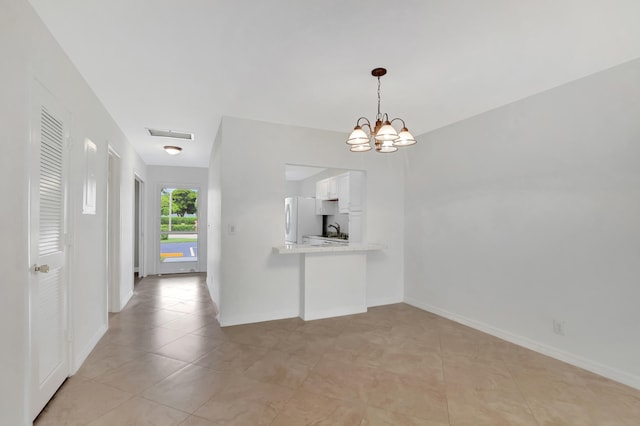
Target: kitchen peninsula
[
  {"x": 334, "y": 278},
  {"x": 325, "y": 225}
]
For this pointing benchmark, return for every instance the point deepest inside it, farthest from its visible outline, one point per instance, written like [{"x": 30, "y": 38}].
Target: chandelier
[{"x": 385, "y": 137}]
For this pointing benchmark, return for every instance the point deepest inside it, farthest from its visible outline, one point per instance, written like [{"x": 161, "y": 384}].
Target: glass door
[{"x": 178, "y": 230}]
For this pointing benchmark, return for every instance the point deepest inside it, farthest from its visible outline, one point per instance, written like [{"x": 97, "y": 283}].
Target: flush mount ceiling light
[
  {"x": 385, "y": 137},
  {"x": 172, "y": 150},
  {"x": 171, "y": 134}
]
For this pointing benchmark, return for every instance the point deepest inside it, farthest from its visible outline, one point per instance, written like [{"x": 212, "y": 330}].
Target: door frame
[
  {"x": 113, "y": 231},
  {"x": 41, "y": 96},
  {"x": 139, "y": 211},
  {"x": 160, "y": 268}
]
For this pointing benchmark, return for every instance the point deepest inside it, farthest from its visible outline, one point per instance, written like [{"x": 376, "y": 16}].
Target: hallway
[{"x": 166, "y": 361}]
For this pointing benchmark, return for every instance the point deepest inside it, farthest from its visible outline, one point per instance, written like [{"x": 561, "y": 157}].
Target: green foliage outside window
[
  {"x": 176, "y": 220},
  {"x": 183, "y": 202}
]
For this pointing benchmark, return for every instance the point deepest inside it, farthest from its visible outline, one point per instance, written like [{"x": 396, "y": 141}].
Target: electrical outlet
[
  {"x": 232, "y": 229},
  {"x": 558, "y": 327}
]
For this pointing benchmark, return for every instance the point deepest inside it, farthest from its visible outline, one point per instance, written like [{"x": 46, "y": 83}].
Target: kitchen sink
[
  {"x": 324, "y": 240},
  {"x": 335, "y": 237}
]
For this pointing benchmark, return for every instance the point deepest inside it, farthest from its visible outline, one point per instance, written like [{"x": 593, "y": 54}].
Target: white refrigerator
[{"x": 300, "y": 219}]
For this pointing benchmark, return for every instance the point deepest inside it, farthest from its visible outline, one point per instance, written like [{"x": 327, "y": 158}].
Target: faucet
[{"x": 336, "y": 227}]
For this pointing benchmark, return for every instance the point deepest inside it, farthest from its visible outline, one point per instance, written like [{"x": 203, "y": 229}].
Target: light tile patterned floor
[{"x": 166, "y": 361}]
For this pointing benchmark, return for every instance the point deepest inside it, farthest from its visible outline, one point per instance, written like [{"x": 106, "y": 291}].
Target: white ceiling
[{"x": 182, "y": 65}]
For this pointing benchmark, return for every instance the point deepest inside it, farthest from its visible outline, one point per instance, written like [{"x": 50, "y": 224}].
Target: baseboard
[
  {"x": 84, "y": 354},
  {"x": 331, "y": 313},
  {"x": 384, "y": 301},
  {"x": 226, "y": 321},
  {"x": 126, "y": 299},
  {"x": 569, "y": 358}
]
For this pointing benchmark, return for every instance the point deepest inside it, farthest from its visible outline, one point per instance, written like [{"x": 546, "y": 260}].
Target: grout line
[
  {"x": 524, "y": 397},
  {"x": 312, "y": 367},
  {"x": 444, "y": 376}
]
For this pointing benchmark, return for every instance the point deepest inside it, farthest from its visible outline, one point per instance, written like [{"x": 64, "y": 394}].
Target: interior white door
[{"x": 48, "y": 282}]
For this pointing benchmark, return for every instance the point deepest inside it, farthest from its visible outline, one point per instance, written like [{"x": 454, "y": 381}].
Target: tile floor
[{"x": 166, "y": 361}]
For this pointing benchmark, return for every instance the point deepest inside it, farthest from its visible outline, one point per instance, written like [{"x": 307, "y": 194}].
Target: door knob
[{"x": 41, "y": 268}]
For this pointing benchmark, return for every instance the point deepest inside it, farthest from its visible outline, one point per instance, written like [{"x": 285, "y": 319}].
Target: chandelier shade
[
  {"x": 361, "y": 147},
  {"x": 404, "y": 138},
  {"x": 387, "y": 149},
  {"x": 384, "y": 136},
  {"x": 358, "y": 136},
  {"x": 386, "y": 132}
]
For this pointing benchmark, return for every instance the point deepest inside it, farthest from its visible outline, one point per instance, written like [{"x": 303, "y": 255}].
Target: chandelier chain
[{"x": 378, "y": 116}]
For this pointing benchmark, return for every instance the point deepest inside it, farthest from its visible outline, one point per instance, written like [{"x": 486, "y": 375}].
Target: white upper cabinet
[
  {"x": 350, "y": 192},
  {"x": 346, "y": 188},
  {"x": 321, "y": 190},
  {"x": 332, "y": 188},
  {"x": 327, "y": 189},
  {"x": 343, "y": 193}
]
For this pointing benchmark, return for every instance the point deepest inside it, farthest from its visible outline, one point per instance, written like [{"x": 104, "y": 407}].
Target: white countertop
[
  {"x": 333, "y": 239},
  {"x": 327, "y": 248}
]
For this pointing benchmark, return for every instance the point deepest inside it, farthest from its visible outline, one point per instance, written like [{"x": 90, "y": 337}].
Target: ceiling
[{"x": 182, "y": 65}]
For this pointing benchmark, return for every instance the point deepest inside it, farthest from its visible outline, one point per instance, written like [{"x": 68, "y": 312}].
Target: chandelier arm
[
  {"x": 365, "y": 119},
  {"x": 367, "y": 124},
  {"x": 398, "y": 118}
]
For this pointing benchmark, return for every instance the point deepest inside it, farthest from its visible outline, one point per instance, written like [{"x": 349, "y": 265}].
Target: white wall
[
  {"x": 174, "y": 177},
  {"x": 530, "y": 213},
  {"x": 14, "y": 121},
  {"x": 130, "y": 166},
  {"x": 257, "y": 284},
  {"x": 214, "y": 220},
  {"x": 28, "y": 51}
]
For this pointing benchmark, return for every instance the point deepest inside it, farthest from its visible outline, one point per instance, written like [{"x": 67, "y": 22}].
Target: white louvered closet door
[{"x": 48, "y": 284}]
